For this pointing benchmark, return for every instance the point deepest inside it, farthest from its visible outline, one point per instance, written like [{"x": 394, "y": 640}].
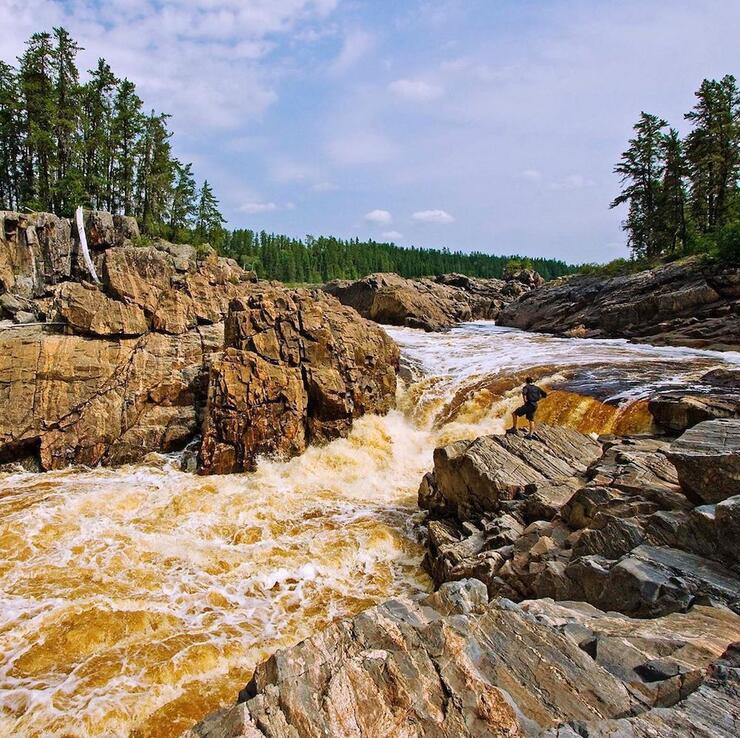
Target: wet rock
[
  {"x": 687, "y": 303},
  {"x": 707, "y": 458},
  {"x": 452, "y": 665},
  {"x": 334, "y": 367},
  {"x": 727, "y": 378},
  {"x": 679, "y": 411}
]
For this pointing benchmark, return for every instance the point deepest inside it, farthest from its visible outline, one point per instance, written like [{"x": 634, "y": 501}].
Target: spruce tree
[
  {"x": 641, "y": 170},
  {"x": 672, "y": 209},
  {"x": 209, "y": 221},
  {"x": 126, "y": 128},
  {"x": 182, "y": 210},
  {"x": 96, "y": 120},
  {"x": 713, "y": 152},
  {"x": 11, "y": 139},
  {"x": 37, "y": 90}
]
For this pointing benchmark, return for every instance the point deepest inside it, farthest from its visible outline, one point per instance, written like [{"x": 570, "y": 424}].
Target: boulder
[
  {"x": 452, "y": 665},
  {"x": 432, "y": 305},
  {"x": 332, "y": 366},
  {"x": 677, "y": 412},
  {"x": 475, "y": 476},
  {"x": 88, "y": 310},
  {"x": 707, "y": 458},
  {"x": 685, "y": 303}
]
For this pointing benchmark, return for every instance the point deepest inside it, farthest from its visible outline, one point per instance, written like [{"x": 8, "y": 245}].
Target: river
[{"x": 136, "y": 600}]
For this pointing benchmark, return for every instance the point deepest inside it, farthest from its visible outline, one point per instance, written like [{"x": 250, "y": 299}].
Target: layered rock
[
  {"x": 299, "y": 368},
  {"x": 431, "y": 304},
  {"x": 115, "y": 370},
  {"x": 452, "y": 665},
  {"x": 687, "y": 303},
  {"x": 610, "y": 524}
]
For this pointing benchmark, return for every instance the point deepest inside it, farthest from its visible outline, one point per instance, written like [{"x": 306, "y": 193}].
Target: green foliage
[
  {"x": 65, "y": 143},
  {"x": 728, "y": 243},
  {"x": 324, "y": 258},
  {"x": 682, "y": 194},
  {"x": 615, "y": 268}
]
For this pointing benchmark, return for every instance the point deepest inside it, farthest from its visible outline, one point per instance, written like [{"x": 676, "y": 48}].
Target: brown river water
[{"x": 134, "y": 601}]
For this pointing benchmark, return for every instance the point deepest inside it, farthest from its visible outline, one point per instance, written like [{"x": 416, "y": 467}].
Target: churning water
[{"x": 134, "y": 601}]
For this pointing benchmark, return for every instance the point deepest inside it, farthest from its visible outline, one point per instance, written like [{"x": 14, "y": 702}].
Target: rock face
[
  {"x": 121, "y": 368},
  {"x": 707, "y": 458},
  {"x": 299, "y": 368},
  {"x": 433, "y": 305},
  {"x": 453, "y": 665},
  {"x": 687, "y": 303},
  {"x": 606, "y": 523}
]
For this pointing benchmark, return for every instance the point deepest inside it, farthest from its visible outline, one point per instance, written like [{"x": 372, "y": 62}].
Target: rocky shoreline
[
  {"x": 106, "y": 372},
  {"x": 585, "y": 588},
  {"x": 687, "y": 303}
]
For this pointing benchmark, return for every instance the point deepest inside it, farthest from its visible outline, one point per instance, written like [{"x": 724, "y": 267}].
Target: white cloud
[
  {"x": 391, "y": 235},
  {"x": 571, "y": 182},
  {"x": 533, "y": 175},
  {"x": 415, "y": 89},
  {"x": 355, "y": 46},
  {"x": 433, "y": 216},
  {"x": 324, "y": 186},
  {"x": 257, "y": 207},
  {"x": 378, "y": 216}
]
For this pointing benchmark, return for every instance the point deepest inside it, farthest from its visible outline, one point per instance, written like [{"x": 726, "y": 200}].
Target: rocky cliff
[
  {"x": 431, "y": 304},
  {"x": 105, "y": 372},
  {"x": 688, "y": 303}
]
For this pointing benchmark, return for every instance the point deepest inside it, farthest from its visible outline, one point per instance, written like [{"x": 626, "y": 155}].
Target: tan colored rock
[
  {"x": 336, "y": 365},
  {"x": 176, "y": 313},
  {"x": 87, "y": 310},
  {"x": 452, "y": 665},
  {"x": 138, "y": 275},
  {"x": 254, "y": 408},
  {"x": 91, "y": 400}
]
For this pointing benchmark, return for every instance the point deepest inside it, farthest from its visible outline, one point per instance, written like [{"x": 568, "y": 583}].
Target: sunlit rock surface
[
  {"x": 687, "y": 303},
  {"x": 454, "y": 665}
]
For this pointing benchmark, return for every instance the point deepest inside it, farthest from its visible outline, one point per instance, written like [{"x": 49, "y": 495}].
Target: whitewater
[{"x": 134, "y": 601}]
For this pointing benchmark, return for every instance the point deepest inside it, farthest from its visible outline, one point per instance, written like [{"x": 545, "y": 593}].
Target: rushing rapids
[{"x": 136, "y": 600}]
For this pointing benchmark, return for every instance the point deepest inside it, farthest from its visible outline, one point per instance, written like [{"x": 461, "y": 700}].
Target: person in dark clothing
[{"x": 531, "y": 394}]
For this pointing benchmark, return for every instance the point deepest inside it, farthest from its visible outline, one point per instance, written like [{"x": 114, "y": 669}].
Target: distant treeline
[
  {"x": 682, "y": 193},
  {"x": 321, "y": 259},
  {"x": 64, "y": 143}
]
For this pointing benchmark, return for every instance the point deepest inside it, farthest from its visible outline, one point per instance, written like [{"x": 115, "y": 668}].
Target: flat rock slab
[{"x": 707, "y": 458}]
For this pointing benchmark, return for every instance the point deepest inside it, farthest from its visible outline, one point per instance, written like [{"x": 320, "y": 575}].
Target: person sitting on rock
[{"x": 531, "y": 394}]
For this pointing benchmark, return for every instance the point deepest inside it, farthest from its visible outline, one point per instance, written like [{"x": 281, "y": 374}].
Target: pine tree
[
  {"x": 182, "y": 209},
  {"x": 209, "y": 220},
  {"x": 126, "y": 128},
  {"x": 11, "y": 139},
  {"x": 713, "y": 152},
  {"x": 37, "y": 90},
  {"x": 96, "y": 120},
  {"x": 641, "y": 168}
]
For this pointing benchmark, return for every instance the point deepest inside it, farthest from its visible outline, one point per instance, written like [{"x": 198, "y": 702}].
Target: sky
[{"x": 489, "y": 125}]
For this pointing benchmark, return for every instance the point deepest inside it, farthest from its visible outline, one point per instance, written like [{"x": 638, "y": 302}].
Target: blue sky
[{"x": 473, "y": 124}]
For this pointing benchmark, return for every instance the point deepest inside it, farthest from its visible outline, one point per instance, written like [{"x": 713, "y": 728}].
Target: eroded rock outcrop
[
  {"x": 687, "y": 303},
  {"x": 431, "y": 304},
  {"x": 609, "y": 523},
  {"x": 117, "y": 369},
  {"x": 299, "y": 368},
  {"x": 452, "y": 665}
]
